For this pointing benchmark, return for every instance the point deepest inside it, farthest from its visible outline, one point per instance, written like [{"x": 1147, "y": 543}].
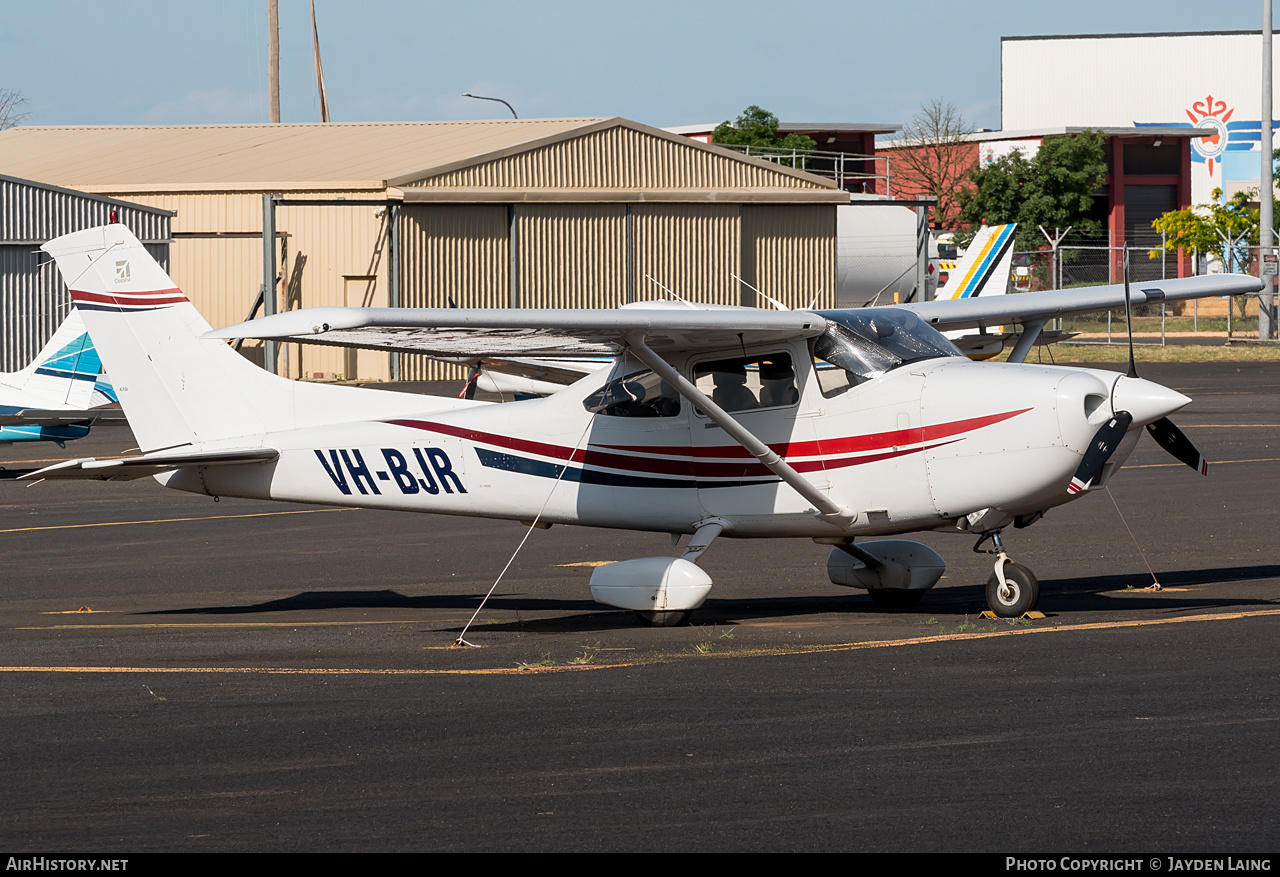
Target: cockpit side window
[
  {"x": 750, "y": 382},
  {"x": 638, "y": 394}
]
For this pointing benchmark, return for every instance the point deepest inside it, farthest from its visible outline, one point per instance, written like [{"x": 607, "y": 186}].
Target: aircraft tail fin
[
  {"x": 984, "y": 270},
  {"x": 175, "y": 387},
  {"x": 65, "y": 371}
]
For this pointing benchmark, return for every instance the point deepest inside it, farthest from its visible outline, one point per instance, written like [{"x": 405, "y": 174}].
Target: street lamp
[{"x": 498, "y": 99}]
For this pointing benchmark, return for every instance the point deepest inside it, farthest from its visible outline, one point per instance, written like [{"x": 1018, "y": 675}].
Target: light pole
[{"x": 498, "y": 99}]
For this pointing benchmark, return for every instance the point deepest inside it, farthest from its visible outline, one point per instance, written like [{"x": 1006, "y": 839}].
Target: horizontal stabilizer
[
  {"x": 62, "y": 417},
  {"x": 129, "y": 468}
]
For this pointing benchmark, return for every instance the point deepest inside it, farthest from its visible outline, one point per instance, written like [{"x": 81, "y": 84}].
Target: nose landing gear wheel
[
  {"x": 664, "y": 619},
  {"x": 1020, "y": 593}
]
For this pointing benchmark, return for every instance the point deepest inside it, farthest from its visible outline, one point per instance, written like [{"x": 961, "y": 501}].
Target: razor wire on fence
[{"x": 1082, "y": 262}]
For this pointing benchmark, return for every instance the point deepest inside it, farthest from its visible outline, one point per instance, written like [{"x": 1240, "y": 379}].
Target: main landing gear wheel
[
  {"x": 664, "y": 619},
  {"x": 895, "y": 598},
  {"x": 1020, "y": 594}
]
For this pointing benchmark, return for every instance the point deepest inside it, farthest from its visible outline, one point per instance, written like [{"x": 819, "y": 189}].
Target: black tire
[
  {"x": 669, "y": 618},
  {"x": 895, "y": 598},
  {"x": 1024, "y": 592}
]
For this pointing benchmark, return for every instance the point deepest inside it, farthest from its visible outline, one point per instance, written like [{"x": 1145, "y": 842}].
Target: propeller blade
[
  {"x": 1104, "y": 444},
  {"x": 1176, "y": 443}
]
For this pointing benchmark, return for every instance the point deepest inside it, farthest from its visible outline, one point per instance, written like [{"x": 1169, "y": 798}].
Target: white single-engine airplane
[
  {"x": 59, "y": 395},
  {"x": 712, "y": 421}
]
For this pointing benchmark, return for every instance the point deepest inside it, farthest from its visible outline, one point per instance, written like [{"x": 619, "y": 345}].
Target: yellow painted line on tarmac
[
  {"x": 315, "y": 671},
  {"x": 1211, "y": 463},
  {"x": 176, "y": 520},
  {"x": 590, "y": 563},
  {"x": 667, "y": 658},
  {"x": 165, "y": 625},
  {"x": 1065, "y": 628}
]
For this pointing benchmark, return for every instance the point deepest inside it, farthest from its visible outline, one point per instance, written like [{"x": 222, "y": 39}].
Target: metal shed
[
  {"x": 33, "y": 298},
  {"x": 523, "y": 213}
]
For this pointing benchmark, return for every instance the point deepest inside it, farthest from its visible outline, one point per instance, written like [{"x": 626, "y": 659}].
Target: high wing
[
  {"x": 1034, "y": 307},
  {"x": 464, "y": 333}
]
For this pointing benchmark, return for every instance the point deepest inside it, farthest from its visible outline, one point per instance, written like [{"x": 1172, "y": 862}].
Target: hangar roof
[{"x": 378, "y": 155}]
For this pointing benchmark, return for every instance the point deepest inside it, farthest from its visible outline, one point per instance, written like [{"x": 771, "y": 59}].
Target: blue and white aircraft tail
[{"x": 51, "y": 399}]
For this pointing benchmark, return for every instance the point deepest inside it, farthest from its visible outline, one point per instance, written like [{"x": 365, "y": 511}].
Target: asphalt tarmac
[{"x": 252, "y": 676}]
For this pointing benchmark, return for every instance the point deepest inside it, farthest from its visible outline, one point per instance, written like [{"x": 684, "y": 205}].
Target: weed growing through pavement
[
  {"x": 587, "y": 657},
  {"x": 546, "y": 661},
  {"x": 704, "y": 648}
]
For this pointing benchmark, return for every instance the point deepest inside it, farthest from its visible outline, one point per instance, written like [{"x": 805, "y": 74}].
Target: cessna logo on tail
[{"x": 122, "y": 271}]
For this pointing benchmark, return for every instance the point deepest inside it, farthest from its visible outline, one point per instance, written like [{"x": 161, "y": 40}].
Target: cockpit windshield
[{"x": 861, "y": 345}]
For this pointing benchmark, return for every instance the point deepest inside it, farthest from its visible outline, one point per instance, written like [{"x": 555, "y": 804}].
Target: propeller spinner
[{"x": 1107, "y": 438}]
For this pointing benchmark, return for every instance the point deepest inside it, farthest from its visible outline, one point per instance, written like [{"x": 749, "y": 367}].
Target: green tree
[
  {"x": 1225, "y": 231},
  {"x": 1053, "y": 188},
  {"x": 759, "y": 127}
]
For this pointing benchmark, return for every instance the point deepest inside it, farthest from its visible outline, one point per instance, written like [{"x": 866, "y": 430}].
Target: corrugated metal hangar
[
  {"x": 521, "y": 213},
  {"x": 33, "y": 298}
]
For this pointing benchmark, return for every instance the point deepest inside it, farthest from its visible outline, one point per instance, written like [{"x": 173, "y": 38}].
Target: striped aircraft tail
[{"x": 984, "y": 270}]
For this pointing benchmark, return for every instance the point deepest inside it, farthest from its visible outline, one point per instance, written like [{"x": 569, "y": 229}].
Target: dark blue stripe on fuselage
[{"x": 542, "y": 469}]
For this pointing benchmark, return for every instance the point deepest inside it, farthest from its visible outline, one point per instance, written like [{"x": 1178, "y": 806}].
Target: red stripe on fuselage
[
  {"x": 656, "y": 459},
  {"x": 151, "y": 297},
  {"x": 847, "y": 445}
]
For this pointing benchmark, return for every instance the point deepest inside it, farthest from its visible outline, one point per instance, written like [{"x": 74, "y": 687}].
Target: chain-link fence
[{"x": 1079, "y": 262}]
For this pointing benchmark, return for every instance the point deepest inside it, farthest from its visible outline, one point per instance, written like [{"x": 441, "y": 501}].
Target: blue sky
[{"x": 658, "y": 62}]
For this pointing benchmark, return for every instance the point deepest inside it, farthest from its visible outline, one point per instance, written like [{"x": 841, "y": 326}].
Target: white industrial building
[{"x": 1200, "y": 80}]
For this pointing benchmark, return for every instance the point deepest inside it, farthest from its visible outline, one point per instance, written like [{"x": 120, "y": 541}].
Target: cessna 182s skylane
[{"x": 713, "y": 421}]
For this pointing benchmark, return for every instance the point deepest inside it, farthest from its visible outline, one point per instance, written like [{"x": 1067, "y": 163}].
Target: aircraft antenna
[{"x": 771, "y": 300}]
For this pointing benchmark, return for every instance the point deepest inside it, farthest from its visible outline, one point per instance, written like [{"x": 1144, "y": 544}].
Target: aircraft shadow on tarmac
[{"x": 1082, "y": 594}]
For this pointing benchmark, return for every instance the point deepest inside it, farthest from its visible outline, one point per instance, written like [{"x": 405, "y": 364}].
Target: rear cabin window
[{"x": 747, "y": 383}]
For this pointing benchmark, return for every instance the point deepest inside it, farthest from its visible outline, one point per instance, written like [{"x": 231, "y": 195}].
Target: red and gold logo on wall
[{"x": 1212, "y": 115}]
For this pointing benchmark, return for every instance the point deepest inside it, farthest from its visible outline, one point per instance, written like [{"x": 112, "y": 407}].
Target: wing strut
[
  {"x": 1030, "y": 332},
  {"x": 828, "y": 510}
]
